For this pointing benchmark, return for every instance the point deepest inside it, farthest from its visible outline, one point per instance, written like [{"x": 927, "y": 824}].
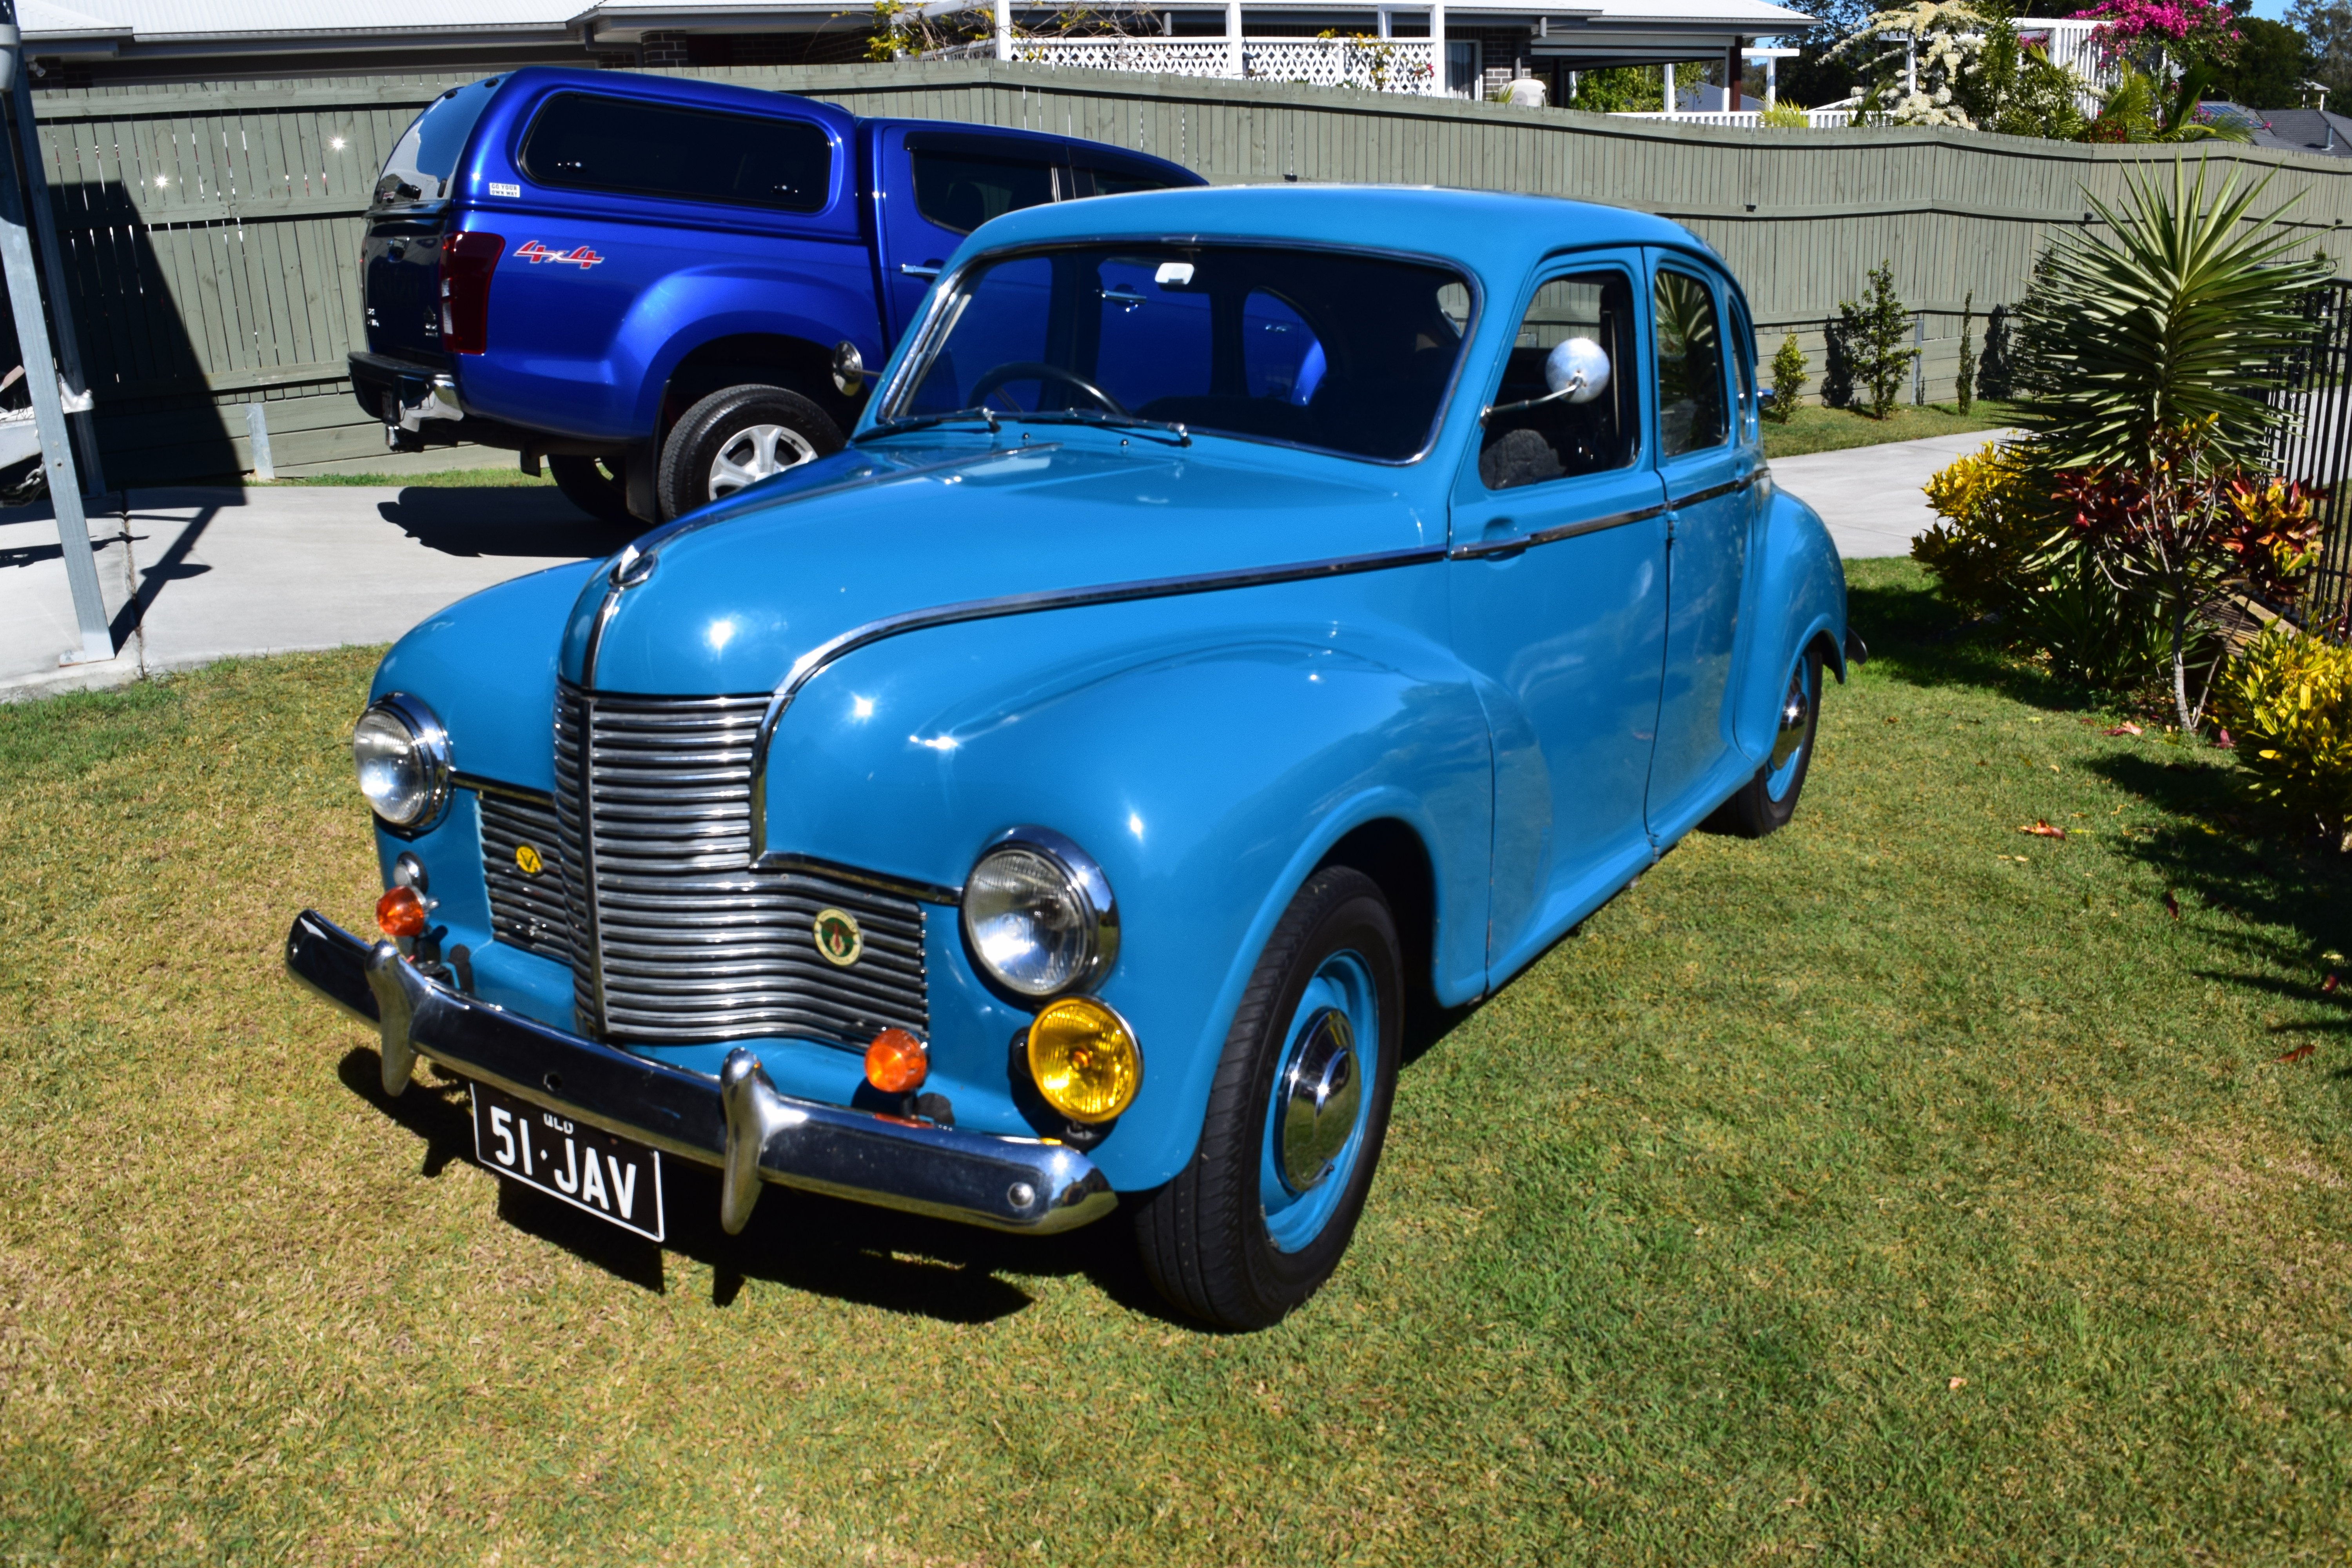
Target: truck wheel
[
  {"x": 1259, "y": 1218},
  {"x": 738, "y": 437},
  {"x": 597, "y": 486}
]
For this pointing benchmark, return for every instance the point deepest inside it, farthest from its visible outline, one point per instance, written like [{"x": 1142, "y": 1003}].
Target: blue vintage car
[{"x": 1242, "y": 616}]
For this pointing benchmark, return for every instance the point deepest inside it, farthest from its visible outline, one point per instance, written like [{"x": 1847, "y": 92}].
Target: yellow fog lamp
[{"x": 1084, "y": 1059}]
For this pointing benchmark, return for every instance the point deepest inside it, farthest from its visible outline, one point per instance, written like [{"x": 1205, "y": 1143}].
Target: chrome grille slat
[
  {"x": 531, "y": 913},
  {"x": 677, "y": 940}
]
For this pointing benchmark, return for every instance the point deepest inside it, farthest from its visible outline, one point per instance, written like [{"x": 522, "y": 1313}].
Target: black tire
[
  {"x": 757, "y": 430},
  {"x": 1760, "y": 808},
  {"x": 1205, "y": 1237},
  {"x": 597, "y": 486}
]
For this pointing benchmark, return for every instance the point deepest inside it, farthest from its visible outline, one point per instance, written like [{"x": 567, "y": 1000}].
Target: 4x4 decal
[{"x": 580, "y": 256}]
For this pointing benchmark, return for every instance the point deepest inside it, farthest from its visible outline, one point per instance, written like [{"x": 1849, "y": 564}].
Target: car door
[
  {"x": 1709, "y": 472},
  {"x": 1558, "y": 564},
  {"x": 939, "y": 186}
]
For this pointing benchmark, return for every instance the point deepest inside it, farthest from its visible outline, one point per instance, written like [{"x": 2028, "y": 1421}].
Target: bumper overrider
[{"x": 737, "y": 1122}]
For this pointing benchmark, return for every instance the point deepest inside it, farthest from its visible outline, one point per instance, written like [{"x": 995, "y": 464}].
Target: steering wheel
[{"x": 1038, "y": 370}]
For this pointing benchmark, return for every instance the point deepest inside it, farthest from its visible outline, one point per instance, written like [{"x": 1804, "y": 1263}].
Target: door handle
[
  {"x": 911, "y": 270},
  {"x": 1500, "y": 541}
]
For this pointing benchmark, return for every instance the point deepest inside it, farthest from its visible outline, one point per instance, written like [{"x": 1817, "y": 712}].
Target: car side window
[
  {"x": 587, "y": 142},
  {"x": 1691, "y": 415},
  {"x": 958, "y": 190},
  {"x": 1564, "y": 408}
]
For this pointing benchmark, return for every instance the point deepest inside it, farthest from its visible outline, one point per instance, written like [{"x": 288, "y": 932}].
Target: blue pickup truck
[{"x": 664, "y": 288}]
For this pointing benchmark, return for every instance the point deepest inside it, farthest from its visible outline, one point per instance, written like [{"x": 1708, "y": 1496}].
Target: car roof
[{"x": 1498, "y": 235}]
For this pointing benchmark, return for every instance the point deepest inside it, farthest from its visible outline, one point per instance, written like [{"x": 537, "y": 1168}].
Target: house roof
[
  {"x": 100, "y": 28},
  {"x": 2303, "y": 131}
]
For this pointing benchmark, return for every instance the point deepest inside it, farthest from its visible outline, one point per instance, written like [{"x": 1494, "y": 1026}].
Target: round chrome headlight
[
  {"x": 1039, "y": 914},
  {"x": 403, "y": 757}
]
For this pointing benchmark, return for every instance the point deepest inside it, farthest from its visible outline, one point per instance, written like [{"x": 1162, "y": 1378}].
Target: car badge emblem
[
  {"x": 581, "y": 256},
  {"x": 528, "y": 858},
  {"x": 839, "y": 942}
]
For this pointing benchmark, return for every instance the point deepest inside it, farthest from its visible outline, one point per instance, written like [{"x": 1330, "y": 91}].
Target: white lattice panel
[
  {"x": 1386, "y": 65},
  {"x": 1163, "y": 56}
]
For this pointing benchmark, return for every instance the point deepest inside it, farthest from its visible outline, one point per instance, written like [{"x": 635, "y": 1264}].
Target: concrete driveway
[{"x": 195, "y": 575}]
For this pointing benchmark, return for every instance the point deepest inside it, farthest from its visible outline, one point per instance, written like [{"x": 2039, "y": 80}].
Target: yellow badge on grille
[
  {"x": 528, "y": 858},
  {"x": 838, "y": 938}
]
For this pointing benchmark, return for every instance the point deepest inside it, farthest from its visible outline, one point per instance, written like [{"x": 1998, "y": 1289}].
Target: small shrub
[
  {"x": 1785, "y": 115},
  {"x": 1874, "y": 331},
  {"x": 1788, "y": 378},
  {"x": 1983, "y": 553},
  {"x": 1966, "y": 386},
  {"x": 2287, "y": 702}
]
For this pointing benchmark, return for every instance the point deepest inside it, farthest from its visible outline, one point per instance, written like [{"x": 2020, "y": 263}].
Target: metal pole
[
  {"x": 49, "y": 413},
  {"x": 45, "y": 229},
  {"x": 1236, "y": 64},
  {"x": 1003, "y": 29}
]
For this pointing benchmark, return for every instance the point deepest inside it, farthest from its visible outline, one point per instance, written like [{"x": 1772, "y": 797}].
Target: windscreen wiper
[
  {"x": 1108, "y": 420},
  {"x": 925, "y": 421}
]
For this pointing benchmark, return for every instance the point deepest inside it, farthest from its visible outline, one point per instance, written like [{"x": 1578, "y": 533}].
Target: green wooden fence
[{"x": 212, "y": 230}]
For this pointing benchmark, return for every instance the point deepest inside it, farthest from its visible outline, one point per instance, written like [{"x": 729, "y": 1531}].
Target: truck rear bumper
[
  {"x": 737, "y": 1122},
  {"x": 425, "y": 405}
]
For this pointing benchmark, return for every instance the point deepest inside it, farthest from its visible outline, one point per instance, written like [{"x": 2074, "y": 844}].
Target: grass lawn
[
  {"x": 1900, "y": 1188},
  {"x": 1814, "y": 429},
  {"x": 440, "y": 478}
]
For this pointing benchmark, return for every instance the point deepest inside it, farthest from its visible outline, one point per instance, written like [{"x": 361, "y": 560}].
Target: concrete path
[
  {"x": 1871, "y": 496},
  {"x": 195, "y": 575}
]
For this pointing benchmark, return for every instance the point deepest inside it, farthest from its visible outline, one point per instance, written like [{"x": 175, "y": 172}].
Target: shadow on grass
[
  {"x": 805, "y": 1241},
  {"x": 1925, "y": 642}
]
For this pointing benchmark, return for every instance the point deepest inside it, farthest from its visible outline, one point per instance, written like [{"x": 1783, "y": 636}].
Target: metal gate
[{"x": 2314, "y": 445}]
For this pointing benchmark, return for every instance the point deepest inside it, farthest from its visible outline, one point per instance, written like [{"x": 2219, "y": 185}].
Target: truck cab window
[
  {"x": 586, "y": 142},
  {"x": 960, "y": 191},
  {"x": 1566, "y": 405}
]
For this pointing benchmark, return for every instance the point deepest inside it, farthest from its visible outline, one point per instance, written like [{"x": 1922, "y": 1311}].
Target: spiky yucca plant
[{"x": 2167, "y": 321}]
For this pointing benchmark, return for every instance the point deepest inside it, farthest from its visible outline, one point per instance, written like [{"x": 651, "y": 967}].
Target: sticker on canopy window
[{"x": 580, "y": 256}]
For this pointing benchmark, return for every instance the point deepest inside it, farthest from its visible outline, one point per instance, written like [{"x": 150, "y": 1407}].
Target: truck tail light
[{"x": 466, "y": 261}]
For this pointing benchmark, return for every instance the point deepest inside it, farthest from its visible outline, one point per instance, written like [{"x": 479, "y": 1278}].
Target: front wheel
[
  {"x": 1766, "y": 803},
  {"x": 1261, "y": 1215},
  {"x": 737, "y": 437},
  {"x": 597, "y": 486}
]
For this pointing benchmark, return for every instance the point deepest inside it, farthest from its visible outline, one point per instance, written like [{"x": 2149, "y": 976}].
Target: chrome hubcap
[
  {"x": 1795, "y": 708},
  {"x": 753, "y": 454},
  {"x": 1316, "y": 1110}
]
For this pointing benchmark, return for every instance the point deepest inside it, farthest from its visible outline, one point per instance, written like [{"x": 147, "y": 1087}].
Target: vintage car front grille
[
  {"x": 675, "y": 937},
  {"x": 529, "y": 909}
]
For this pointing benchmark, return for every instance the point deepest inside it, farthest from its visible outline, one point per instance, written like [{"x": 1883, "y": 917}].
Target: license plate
[{"x": 585, "y": 1166}]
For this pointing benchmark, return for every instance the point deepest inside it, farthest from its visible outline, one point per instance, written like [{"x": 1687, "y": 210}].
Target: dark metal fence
[{"x": 2315, "y": 445}]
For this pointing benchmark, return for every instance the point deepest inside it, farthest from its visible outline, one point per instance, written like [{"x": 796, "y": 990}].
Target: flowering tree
[
  {"x": 1916, "y": 56},
  {"x": 2139, "y": 32}
]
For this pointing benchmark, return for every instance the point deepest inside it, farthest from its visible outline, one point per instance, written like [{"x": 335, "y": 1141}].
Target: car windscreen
[
  {"x": 1334, "y": 350},
  {"x": 425, "y": 158},
  {"x": 588, "y": 141}
]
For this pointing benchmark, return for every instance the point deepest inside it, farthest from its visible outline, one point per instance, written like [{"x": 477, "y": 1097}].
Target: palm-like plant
[{"x": 2170, "y": 320}]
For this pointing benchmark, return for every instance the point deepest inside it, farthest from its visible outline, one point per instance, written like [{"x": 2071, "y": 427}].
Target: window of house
[{"x": 1564, "y": 408}]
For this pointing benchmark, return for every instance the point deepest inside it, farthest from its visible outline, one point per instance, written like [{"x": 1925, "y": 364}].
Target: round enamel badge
[
  {"x": 528, "y": 858},
  {"x": 838, "y": 938}
]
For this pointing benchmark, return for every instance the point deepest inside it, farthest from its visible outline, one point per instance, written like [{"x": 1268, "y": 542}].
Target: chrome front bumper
[{"x": 737, "y": 1122}]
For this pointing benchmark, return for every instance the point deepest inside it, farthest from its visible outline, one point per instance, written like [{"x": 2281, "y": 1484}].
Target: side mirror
[{"x": 1577, "y": 370}]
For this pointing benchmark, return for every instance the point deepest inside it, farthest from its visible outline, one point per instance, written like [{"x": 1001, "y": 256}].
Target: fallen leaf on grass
[
  {"x": 2125, "y": 727},
  {"x": 2042, "y": 829},
  {"x": 1956, "y": 1384},
  {"x": 2328, "y": 986},
  {"x": 2297, "y": 1054},
  {"x": 2171, "y": 906}
]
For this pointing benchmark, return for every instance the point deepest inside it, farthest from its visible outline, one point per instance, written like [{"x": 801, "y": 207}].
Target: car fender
[
  {"x": 688, "y": 309},
  {"x": 1208, "y": 771},
  {"x": 1799, "y": 597}
]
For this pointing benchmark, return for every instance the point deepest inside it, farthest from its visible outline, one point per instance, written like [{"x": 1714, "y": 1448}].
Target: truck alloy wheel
[
  {"x": 1260, "y": 1218},
  {"x": 737, "y": 437},
  {"x": 597, "y": 486}
]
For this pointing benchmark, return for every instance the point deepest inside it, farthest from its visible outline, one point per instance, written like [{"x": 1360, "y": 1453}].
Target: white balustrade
[{"x": 1377, "y": 64}]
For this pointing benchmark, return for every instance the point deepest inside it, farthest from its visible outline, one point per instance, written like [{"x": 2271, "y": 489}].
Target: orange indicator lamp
[
  {"x": 400, "y": 912},
  {"x": 896, "y": 1062}
]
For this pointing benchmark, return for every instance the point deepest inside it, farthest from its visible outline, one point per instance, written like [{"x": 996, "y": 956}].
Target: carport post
[
  {"x": 45, "y": 229},
  {"x": 41, "y": 381}
]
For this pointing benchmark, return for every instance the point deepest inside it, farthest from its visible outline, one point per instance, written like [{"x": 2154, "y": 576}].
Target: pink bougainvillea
[{"x": 2201, "y": 28}]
